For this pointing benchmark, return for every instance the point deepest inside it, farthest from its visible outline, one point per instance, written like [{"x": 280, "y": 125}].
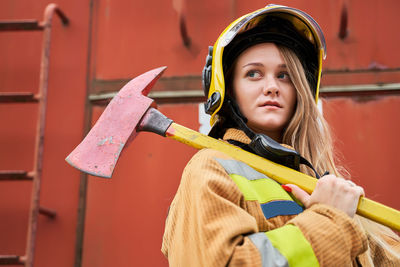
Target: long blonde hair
[
  {"x": 309, "y": 134},
  {"x": 307, "y": 131}
]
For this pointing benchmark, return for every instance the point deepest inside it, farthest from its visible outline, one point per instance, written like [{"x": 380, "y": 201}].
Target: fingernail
[{"x": 287, "y": 188}]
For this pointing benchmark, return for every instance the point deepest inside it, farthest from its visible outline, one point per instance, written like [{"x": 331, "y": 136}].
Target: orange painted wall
[{"x": 124, "y": 38}]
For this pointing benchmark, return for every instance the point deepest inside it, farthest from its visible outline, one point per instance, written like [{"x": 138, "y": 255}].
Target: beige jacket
[{"x": 212, "y": 223}]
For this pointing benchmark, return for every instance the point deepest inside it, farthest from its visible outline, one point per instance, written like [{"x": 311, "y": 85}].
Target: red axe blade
[{"x": 98, "y": 153}]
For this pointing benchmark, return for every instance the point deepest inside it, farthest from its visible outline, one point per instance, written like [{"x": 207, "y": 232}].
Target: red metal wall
[
  {"x": 366, "y": 130},
  {"x": 19, "y": 71},
  {"x": 113, "y": 40},
  {"x": 125, "y": 215}
]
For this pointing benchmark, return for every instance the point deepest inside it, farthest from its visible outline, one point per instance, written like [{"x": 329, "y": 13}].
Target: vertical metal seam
[{"x": 81, "y": 209}]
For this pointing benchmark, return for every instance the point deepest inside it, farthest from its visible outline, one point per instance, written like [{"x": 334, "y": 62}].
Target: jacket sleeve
[
  {"x": 336, "y": 239},
  {"x": 208, "y": 226}
]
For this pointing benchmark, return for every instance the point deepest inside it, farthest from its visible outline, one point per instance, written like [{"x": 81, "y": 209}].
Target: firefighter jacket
[{"x": 227, "y": 214}]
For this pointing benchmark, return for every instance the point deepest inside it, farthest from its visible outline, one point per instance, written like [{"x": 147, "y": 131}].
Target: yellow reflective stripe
[
  {"x": 264, "y": 190},
  {"x": 291, "y": 243}
]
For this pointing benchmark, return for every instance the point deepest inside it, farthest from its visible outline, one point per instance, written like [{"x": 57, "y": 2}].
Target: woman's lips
[{"x": 271, "y": 104}]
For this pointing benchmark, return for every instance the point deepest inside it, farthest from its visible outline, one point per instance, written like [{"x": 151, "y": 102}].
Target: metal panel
[
  {"x": 20, "y": 56},
  {"x": 133, "y": 36},
  {"x": 126, "y": 214},
  {"x": 128, "y": 43},
  {"x": 366, "y": 130}
]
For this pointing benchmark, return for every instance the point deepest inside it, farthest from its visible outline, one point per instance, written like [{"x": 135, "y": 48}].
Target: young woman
[{"x": 262, "y": 78}]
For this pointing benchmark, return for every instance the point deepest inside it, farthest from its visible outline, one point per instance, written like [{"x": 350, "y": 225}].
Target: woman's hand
[{"x": 333, "y": 191}]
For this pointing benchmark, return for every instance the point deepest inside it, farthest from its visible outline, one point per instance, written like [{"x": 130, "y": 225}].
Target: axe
[{"x": 131, "y": 111}]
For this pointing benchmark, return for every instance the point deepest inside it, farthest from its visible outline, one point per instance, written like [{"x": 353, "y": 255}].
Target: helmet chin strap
[{"x": 264, "y": 145}]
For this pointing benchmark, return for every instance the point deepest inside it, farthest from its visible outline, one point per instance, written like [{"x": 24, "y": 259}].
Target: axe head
[{"x": 99, "y": 151}]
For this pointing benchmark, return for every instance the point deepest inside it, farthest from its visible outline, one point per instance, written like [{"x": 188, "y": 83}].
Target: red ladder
[{"x": 40, "y": 98}]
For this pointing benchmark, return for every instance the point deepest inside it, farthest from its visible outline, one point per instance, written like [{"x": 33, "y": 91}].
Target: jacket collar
[{"x": 237, "y": 135}]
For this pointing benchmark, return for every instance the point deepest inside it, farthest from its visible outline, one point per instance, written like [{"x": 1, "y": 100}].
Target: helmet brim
[{"x": 304, "y": 24}]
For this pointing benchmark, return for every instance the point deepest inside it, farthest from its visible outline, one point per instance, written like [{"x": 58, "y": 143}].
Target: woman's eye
[
  {"x": 253, "y": 74},
  {"x": 284, "y": 76}
]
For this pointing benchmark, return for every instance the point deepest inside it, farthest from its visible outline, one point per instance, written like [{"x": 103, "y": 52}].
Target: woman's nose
[{"x": 271, "y": 87}]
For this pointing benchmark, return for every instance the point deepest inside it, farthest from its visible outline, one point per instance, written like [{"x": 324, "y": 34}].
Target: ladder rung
[
  {"x": 20, "y": 25},
  {"x": 11, "y": 260},
  {"x": 12, "y": 97},
  {"x": 7, "y": 175},
  {"x": 47, "y": 212}
]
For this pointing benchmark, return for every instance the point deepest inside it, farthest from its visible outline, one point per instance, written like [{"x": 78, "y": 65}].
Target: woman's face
[{"x": 263, "y": 89}]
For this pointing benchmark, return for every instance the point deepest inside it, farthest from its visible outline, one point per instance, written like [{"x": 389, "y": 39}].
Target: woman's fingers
[
  {"x": 359, "y": 188},
  {"x": 337, "y": 192},
  {"x": 298, "y": 193},
  {"x": 330, "y": 190}
]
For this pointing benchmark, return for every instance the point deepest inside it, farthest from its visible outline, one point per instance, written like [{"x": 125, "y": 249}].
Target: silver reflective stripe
[
  {"x": 240, "y": 168},
  {"x": 270, "y": 256}
]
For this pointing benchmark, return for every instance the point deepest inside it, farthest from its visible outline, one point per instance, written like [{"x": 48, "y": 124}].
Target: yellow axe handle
[{"x": 283, "y": 175}]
